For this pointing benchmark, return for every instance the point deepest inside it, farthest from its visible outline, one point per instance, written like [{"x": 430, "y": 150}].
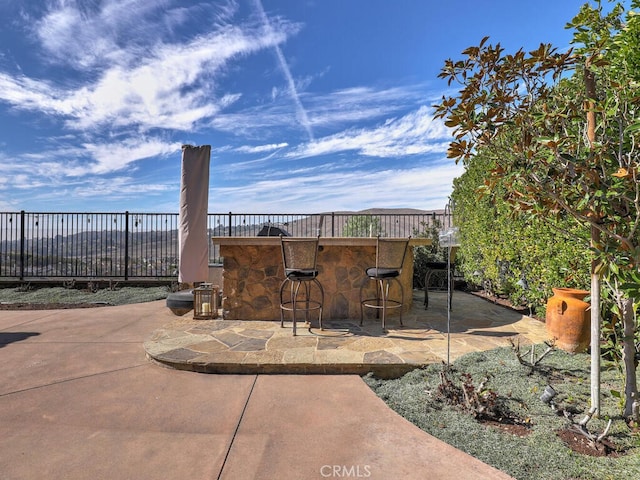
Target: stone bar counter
[{"x": 253, "y": 272}]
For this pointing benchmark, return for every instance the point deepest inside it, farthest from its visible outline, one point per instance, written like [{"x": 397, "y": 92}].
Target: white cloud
[
  {"x": 50, "y": 167},
  {"x": 85, "y": 35},
  {"x": 150, "y": 84},
  {"x": 133, "y": 88},
  {"x": 414, "y": 134},
  {"x": 159, "y": 92},
  {"x": 29, "y": 94},
  {"x": 329, "y": 111},
  {"x": 301, "y": 113},
  {"x": 89, "y": 192},
  {"x": 117, "y": 156},
  {"x": 117, "y": 188},
  {"x": 254, "y": 122},
  {"x": 362, "y": 103},
  {"x": 422, "y": 188},
  {"x": 261, "y": 148}
]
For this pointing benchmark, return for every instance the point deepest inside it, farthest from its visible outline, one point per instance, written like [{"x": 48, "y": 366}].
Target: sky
[{"x": 309, "y": 105}]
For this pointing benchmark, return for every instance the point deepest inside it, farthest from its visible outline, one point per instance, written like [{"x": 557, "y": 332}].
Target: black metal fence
[{"x": 36, "y": 245}]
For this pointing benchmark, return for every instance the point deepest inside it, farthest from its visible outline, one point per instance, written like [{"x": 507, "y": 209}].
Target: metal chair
[
  {"x": 439, "y": 277},
  {"x": 300, "y": 256},
  {"x": 390, "y": 254}
]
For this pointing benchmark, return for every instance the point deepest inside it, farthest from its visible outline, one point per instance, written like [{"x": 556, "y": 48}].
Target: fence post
[
  {"x": 230, "y": 230},
  {"x": 22, "y": 241},
  {"x": 126, "y": 245},
  {"x": 333, "y": 224}
]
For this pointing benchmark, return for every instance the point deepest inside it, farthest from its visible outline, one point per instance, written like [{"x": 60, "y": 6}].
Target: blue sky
[{"x": 309, "y": 105}]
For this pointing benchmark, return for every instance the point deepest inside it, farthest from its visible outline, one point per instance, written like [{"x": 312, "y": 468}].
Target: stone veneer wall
[{"x": 253, "y": 275}]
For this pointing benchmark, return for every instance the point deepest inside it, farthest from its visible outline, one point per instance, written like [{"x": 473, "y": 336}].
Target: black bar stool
[
  {"x": 390, "y": 253},
  {"x": 439, "y": 277},
  {"x": 300, "y": 257}
]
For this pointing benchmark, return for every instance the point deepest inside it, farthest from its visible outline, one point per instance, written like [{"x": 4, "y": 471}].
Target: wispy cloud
[
  {"x": 235, "y": 167},
  {"x": 261, "y": 148},
  {"x": 25, "y": 93},
  {"x": 422, "y": 188},
  {"x": 47, "y": 180},
  {"x": 158, "y": 93},
  {"x": 333, "y": 111},
  {"x": 96, "y": 158},
  {"x": 131, "y": 79},
  {"x": 113, "y": 89},
  {"x": 118, "y": 188},
  {"x": 414, "y": 134},
  {"x": 92, "y": 35},
  {"x": 145, "y": 81},
  {"x": 301, "y": 113},
  {"x": 113, "y": 157},
  {"x": 349, "y": 105}
]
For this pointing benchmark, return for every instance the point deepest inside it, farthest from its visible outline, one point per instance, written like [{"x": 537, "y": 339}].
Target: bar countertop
[{"x": 328, "y": 241}]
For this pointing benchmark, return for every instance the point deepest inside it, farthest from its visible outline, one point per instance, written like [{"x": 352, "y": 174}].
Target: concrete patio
[{"x": 79, "y": 399}]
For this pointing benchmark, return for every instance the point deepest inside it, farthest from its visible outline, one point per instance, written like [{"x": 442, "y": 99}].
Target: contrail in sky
[{"x": 301, "y": 113}]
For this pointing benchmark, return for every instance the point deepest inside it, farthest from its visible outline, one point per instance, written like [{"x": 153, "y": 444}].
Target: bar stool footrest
[
  {"x": 390, "y": 303},
  {"x": 313, "y": 305}
]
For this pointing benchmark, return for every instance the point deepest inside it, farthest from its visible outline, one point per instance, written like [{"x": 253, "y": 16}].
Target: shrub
[
  {"x": 511, "y": 254},
  {"x": 424, "y": 254}
]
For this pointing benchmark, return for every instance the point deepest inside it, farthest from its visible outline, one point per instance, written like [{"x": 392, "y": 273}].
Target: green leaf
[{"x": 633, "y": 128}]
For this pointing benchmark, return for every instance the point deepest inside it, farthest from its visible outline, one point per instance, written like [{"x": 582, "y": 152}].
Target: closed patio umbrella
[{"x": 192, "y": 223}]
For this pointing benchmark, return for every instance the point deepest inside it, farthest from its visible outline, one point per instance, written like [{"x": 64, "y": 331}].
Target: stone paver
[{"x": 343, "y": 346}]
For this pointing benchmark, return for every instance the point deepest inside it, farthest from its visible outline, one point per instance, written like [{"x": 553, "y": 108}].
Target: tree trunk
[
  {"x": 595, "y": 333},
  {"x": 590, "y": 87},
  {"x": 628, "y": 356}
]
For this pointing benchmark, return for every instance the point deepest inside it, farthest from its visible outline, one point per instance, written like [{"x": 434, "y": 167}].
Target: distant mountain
[{"x": 388, "y": 211}]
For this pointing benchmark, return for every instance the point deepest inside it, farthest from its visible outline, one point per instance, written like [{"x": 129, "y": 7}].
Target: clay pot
[{"x": 568, "y": 319}]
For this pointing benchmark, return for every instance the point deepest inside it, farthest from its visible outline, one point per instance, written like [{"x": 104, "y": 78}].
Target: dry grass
[{"x": 61, "y": 295}]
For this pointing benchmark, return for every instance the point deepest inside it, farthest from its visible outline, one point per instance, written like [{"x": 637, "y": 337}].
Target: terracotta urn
[{"x": 568, "y": 320}]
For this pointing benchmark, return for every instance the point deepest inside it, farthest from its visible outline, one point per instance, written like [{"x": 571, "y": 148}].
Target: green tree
[
  {"x": 363, "y": 226},
  {"x": 562, "y": 128}
]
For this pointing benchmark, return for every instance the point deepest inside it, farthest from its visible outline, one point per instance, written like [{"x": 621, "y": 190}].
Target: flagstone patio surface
[{"x": 343, "y": 346}]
